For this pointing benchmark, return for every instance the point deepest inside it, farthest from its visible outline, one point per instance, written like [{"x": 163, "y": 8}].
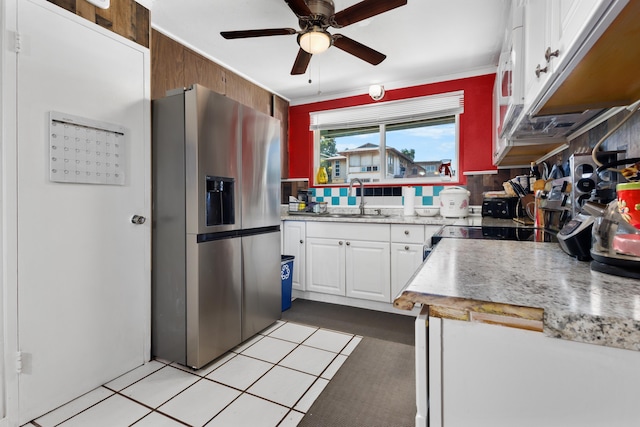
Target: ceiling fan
[{"x": 314, "y": 17}]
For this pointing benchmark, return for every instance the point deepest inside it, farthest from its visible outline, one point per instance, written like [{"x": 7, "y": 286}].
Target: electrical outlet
[{"x": 102, "y": 4}]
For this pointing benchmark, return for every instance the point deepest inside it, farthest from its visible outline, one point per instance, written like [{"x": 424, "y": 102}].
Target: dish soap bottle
[{"x": 321, "y": 177}]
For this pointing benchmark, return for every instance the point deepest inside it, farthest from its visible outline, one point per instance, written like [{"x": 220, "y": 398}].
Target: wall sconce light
[{"x": 376, "y": 92}]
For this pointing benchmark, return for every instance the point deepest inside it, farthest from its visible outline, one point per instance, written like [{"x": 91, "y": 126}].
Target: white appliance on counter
[{"x": 454, "y": 202}]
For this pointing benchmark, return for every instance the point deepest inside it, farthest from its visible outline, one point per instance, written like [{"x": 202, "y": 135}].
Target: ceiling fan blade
[
  {"x": 257, "y": 33},
  {"x": 358, "y": 49},
  {"x": 302, "y": 62},
  {"x": 299, "y": 7},
  {"x": 363, "y": 10}
]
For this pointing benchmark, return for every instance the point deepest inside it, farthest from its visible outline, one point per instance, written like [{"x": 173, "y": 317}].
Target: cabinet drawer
[
  {"x": 407, "y": 233},
  {"x": 348, "y": 230}
]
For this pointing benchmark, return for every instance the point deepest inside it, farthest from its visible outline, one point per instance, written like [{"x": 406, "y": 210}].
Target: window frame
[
  {"x": 384, "y": 164},
  {"x": 382, "y": 114}
]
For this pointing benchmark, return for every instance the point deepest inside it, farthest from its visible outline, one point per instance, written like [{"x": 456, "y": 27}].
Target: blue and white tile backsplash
[{"x": 377, "y": 196}]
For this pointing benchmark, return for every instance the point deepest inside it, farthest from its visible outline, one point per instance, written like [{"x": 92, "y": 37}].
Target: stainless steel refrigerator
[{"x": 216, "y": 225}]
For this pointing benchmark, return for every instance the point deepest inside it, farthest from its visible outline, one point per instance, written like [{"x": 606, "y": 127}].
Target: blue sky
[{"x": 430, "y": 142}]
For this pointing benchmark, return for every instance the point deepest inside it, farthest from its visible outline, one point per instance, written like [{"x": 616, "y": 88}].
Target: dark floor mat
[
  {"x": 358, "y": 321},
  {"x": 375, "y": 387}
]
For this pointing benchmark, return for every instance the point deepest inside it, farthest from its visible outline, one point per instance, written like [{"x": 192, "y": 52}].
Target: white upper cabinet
[
  {"x": 554, "y": 31},
  {"x": 536, "y": 40}
]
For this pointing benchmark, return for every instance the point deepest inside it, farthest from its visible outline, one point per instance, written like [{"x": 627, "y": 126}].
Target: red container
[{"x": 629, "y": 202}]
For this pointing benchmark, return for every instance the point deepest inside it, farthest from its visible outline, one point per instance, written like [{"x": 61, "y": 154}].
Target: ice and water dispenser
[{"x": 220, "y": 203}]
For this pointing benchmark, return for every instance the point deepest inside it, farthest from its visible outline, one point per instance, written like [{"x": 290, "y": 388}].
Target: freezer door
[
  {"x": 214, "y": 295},
  {"x": 212, "y": 154},
  {"x": 260, "y": 169},
  {"x": 262, "y": 287}
]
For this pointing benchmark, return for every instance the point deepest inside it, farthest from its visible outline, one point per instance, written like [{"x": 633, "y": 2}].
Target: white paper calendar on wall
[{"x": 85, "y": 151}]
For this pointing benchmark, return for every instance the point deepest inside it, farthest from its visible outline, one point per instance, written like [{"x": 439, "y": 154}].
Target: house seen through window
[{"x": 412, "y": 151}]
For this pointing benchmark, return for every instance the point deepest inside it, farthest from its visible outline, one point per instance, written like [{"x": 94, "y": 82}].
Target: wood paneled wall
[
  {"x": 173, "y": 66},
  {"x": 281, "y": 111},
  {"x": 124, "y": 17}
]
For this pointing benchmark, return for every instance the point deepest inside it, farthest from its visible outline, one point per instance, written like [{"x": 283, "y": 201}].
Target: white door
[{"x": 83, "y": 266}]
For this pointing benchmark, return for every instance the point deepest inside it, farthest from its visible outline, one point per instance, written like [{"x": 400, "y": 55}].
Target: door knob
[{"x": 138, "y": 219}]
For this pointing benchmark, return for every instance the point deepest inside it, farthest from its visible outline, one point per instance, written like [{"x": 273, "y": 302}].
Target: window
[{"x": 414, "y": 140}]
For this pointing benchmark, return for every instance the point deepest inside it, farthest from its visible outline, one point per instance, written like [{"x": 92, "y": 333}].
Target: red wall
[{"x": 475, "y": 123}]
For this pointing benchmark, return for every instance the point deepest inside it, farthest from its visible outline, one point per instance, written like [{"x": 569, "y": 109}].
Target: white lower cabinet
[
  {"x": 408, "y": 243},
  {"x": 348, "y": 259},
  {"x": 481, "y": 374},
  {"x": 293, "y": 243},
  {"x": 326, "y": 269},
  {"x": 367, "y": 270},
  {"x": 406, "y": 258}
]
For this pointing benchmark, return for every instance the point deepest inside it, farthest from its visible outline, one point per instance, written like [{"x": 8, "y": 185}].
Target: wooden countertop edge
[{"x": 529, "y": 318}]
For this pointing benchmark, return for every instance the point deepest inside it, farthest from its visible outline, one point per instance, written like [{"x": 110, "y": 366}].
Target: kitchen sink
[
  {"x": 354, "y": 215},
  {"x": 339, "y": 215}
]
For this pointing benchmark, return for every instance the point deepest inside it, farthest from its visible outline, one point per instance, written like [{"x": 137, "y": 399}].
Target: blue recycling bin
[{"x": 286, "y": 274}]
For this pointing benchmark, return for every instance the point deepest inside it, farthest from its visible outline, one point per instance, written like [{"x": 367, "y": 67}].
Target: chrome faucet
[{"x": 361, "y": 193}]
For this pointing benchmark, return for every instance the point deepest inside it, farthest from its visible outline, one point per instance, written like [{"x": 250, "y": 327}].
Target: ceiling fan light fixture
[
  {"x": 315, "y": 41},
  {"x": 376, "y": 92}
]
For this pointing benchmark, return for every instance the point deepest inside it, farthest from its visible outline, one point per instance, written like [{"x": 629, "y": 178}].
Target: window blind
[{"x": 390, "y": 112}]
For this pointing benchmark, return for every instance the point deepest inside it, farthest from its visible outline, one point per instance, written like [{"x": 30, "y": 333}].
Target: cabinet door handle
[
  {"x": 340, "y": 242},
  {"x": 406, "y": 248},
  {"x": 540, "y": 70},
  {"x": 301, "y": 241},
  {"x": 406, "y": 232},
  {"x": 348, "y": 243},
  {"x": 548, "y": 54}
]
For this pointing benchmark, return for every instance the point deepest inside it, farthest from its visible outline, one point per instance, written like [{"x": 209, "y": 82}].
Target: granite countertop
[{"x": 530, "y": 282}]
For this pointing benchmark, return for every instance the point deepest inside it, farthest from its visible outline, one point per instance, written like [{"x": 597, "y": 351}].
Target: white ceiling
[{"x": 425, "y": 41}]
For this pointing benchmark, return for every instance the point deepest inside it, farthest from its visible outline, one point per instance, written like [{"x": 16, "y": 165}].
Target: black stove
[{"x": 529, "y": 234}]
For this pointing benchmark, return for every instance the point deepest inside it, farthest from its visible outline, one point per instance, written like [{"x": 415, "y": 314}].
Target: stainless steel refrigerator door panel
[
  {"x": 168, "y": 275},
  {"x": 260, "y": 170},
  {"x": 212, "y": 134},
  {"x": 214, "y": 295},
  {"x": 262, "y": 288}
]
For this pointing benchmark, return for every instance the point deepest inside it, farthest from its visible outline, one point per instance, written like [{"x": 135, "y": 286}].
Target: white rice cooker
[{"x": 454, "y": 202}]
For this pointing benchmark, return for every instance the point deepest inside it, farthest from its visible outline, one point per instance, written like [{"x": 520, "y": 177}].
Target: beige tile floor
[{"x": 270, "y": 380}]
